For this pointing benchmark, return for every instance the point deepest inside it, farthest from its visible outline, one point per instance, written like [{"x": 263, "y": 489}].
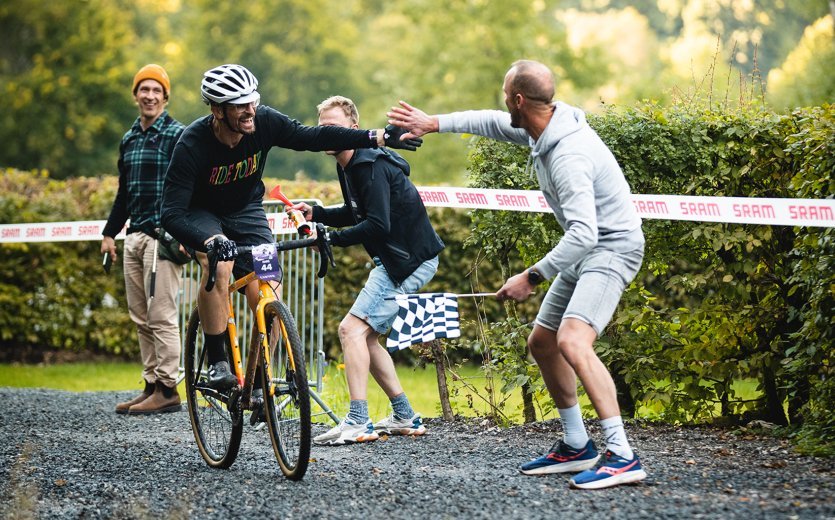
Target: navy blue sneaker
[
  {"x": 562, "y": 458},
  {"x": 611, "y": 471}
]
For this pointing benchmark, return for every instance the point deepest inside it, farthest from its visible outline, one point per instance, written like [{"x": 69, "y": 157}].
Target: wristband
[{"x": 372, "y": 136}]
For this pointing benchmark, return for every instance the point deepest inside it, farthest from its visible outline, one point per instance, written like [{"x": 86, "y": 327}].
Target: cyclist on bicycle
[
  {"x": 213, "y": 193},
  {"x": 383, "y": 212}
]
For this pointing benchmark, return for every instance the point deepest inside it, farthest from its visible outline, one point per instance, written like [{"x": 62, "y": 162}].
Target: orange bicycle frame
[{"x": 266, "y": 295}]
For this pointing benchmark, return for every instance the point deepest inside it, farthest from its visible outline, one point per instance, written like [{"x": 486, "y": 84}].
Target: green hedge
[
  {"x": 56, "y": 296},
  {"x": 714, "y": 303}
]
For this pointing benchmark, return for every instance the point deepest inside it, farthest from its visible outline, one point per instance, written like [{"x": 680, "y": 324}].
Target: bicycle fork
[{"x": 261, "y": 342}]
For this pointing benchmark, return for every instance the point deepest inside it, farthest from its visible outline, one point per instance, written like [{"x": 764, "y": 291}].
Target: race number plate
[{"x": 265, "y": 261}]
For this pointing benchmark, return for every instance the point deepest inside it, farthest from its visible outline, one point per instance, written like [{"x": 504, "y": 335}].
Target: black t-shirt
[{"x": 204, "y": 173}]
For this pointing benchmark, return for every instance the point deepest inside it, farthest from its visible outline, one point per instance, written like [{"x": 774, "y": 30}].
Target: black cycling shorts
[{"x": 247, "y": 227}]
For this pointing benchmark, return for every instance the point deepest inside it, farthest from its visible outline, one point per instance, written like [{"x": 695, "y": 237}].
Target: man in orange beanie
[{"x": 144, "y": 154}]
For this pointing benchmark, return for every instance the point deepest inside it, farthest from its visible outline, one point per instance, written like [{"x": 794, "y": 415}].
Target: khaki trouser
[{"x": 159, "y": 333}]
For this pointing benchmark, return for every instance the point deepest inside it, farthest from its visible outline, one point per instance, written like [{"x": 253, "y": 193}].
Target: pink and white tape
[
  {"x": 739, "y": 210},
  {"x": 91, "y": 230}
]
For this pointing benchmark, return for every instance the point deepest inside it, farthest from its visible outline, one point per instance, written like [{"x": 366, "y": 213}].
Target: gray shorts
[{"x": 590, "y": 289}]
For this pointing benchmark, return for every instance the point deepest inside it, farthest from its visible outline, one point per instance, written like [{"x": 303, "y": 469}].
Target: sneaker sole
[
  {"x": 624, "y": 478},
  {"x": 411, "y": 432},
  {"x": 342, "y": 442},
  {"x": 167, "y": 409},
  {"x": 223, "y": 386},
  {"x": 565, "y": 467}
]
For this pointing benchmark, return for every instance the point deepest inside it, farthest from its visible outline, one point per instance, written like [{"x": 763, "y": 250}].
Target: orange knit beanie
[{"x": 154, "y": 72}]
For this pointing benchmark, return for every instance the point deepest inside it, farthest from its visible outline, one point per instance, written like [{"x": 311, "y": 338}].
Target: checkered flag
[{"x": 422, "y": 318}]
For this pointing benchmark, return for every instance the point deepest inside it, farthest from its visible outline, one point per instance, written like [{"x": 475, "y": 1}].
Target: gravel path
[{"x": 67, "y": 455}]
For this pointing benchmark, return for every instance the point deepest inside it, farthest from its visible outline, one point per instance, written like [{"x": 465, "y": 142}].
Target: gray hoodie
[{"x": 578, "y": 176}]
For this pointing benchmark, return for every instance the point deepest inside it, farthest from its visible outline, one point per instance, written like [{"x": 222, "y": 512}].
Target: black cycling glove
[
  {"x": 392, "y": 139},
  {"x": 223, "y": 248}
]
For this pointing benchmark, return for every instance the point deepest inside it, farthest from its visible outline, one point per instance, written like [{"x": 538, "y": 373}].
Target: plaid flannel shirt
[{"x": 143, "y": 161}]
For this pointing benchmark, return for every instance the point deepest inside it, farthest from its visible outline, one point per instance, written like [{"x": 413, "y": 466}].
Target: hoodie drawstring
[{"x": 528, "y": 168}]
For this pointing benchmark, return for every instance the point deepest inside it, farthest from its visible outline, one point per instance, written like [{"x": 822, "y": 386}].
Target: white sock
[
  {"x": 572, "y": 424},
  {"x": 615, "y": 437}
]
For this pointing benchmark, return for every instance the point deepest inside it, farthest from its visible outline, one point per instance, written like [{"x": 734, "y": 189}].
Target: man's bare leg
[
  {"x": 382, "y": 366},
  {"x": 352, "y": 336}
]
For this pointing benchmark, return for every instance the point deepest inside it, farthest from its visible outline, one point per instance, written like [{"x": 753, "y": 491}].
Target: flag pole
[{"x": 424, "y": 295}]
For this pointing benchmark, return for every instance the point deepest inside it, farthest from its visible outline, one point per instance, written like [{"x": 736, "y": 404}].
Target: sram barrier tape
[
  {"x": 737, "y": 210},
  {"x": 92, "y": 229}
]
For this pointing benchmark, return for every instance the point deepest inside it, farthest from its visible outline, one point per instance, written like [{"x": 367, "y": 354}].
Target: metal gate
[{"x": 303, "y": 293}]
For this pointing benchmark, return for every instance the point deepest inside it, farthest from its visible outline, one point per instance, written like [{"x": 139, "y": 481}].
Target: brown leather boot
[
  {"x": 146, "y": 393},
  {"x": 164, "y": 399}
]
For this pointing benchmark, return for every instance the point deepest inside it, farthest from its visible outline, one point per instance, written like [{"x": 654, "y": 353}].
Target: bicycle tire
[
  {"x": 217, "y": 427},
  {"x": 287, "y": 406}
]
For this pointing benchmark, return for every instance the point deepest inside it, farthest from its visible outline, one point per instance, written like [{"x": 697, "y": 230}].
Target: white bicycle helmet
[{"x": 229, "y": 83}]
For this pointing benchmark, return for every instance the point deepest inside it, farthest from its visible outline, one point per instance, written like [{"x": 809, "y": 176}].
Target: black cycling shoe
[
  {"x": 220, "y": 377},
  {"x": 258, "y": 407}
]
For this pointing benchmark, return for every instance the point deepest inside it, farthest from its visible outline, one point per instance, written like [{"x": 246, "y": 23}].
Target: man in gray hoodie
[{"x": 599, "y": 254}]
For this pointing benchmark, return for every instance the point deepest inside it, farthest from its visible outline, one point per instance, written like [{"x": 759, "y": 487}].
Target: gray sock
[
  {"x": 358, "y": 411},
  {"x": 401, "y": 407}
]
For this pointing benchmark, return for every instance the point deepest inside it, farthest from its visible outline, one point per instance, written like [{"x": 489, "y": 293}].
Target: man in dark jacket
[{"x": 383, "y": 212}]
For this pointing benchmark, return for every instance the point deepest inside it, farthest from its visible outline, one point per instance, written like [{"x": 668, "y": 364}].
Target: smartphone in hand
[{"x": 106, "y": 262}]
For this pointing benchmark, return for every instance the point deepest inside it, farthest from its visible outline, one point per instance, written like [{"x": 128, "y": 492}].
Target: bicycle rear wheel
[
  {"x": 216, "y": 424},
  {"x": 287, "y": 401}
]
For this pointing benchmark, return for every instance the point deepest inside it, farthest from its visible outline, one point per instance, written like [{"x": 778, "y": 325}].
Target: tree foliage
[
  {"x": 66, "y": 84},
  {"x": 67, "y": 69},
  {"x": 799, "y": 81}
]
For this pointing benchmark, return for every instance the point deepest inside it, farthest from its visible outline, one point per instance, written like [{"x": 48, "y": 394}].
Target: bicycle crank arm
[{"x": 207, "y": 391}]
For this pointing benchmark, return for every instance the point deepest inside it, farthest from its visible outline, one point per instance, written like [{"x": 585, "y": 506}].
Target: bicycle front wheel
[
  {"x": 287, "y": 399},
  {"x": 216, "y": 422}
]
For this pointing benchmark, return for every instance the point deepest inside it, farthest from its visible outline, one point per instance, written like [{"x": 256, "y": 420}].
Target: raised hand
[{"x": 414, "y": 119}]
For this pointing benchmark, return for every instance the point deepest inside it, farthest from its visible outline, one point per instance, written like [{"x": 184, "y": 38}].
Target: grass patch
[
  {"x": 420, "y": 385},
  {"x": 75, "y": 377}
]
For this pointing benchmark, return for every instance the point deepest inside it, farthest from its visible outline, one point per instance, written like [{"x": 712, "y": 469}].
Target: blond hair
[{"x": 348, "y": 107}]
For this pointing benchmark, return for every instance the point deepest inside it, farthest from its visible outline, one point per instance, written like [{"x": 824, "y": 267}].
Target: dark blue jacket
[{"x": 384, "y": 212}]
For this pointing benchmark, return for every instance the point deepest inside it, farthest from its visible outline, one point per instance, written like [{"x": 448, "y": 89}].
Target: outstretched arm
[
  {"x": 488, "y": 123},
  {"x": 413, "y": 119}
]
